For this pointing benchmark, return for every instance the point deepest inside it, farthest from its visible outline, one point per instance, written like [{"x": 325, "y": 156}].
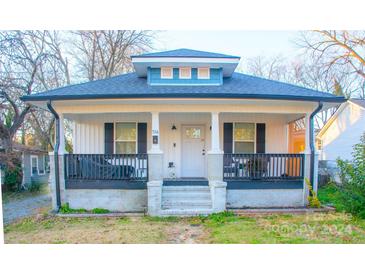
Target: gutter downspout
[
  {"x": 56, "y": 147},
  {"x": 312, "y": 141}
]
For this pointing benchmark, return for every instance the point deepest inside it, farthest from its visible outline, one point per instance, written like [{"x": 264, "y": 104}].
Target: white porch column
[
  {"x": 215, "y": 168},
  {"x": 155, "y": 169},
  {"x": 307, "y": 136},
  {"x": 307, "y": 155},
  {"x": 62, "y": 147},
  {"x": 215, "y": 155},
  {"x": 215, "y": 133},
  {"x": 155, "y": 148}
]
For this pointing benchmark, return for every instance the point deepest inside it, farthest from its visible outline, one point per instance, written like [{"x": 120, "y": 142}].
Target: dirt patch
[{"x": 185, "y": 233}]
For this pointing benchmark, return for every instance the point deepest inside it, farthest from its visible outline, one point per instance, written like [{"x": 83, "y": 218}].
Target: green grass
[
  {"x": 19, "y": 195},
  {"x": 222, "y": 228},
  {"x": 285, "y": 229},
  {"x": 100, "y": 211}
]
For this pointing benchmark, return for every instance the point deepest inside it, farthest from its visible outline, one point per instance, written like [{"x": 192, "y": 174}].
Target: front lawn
[{"x": 217, "y": 228}]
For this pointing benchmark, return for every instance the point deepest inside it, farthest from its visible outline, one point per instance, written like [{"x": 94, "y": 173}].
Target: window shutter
[
  {"x": 142, "y": 137},
  {"x": 227, "y": 137},
  {"x": 108, "y": 138},
  {"x": 260, "y": 138}
]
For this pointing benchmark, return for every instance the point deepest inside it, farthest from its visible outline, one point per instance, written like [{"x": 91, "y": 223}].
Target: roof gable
[
  {"x": 359, "y": 102},
  {"x": 351, "y": 102}
]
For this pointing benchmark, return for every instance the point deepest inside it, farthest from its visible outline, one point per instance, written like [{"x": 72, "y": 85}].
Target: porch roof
[{"x": 131, "y": 86}]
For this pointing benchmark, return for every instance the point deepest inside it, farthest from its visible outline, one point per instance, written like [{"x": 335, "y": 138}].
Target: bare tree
[
  {"x": 307, "y": 73},
  {"x": 30, "y": 61},
  {"x": 105, "y": 53},
  {"x": 338, "y": 50}
]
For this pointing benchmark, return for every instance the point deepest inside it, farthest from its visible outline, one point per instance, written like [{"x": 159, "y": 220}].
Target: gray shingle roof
[
  {"x": 186, "y": 53},
  {"x": 131, "y": 86}
]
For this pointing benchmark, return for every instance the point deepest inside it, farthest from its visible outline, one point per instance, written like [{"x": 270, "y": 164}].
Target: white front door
[{"x": 193, "y": 151}]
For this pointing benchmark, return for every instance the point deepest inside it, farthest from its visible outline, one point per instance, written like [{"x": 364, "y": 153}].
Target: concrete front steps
[{"x": 187, "y": 200}]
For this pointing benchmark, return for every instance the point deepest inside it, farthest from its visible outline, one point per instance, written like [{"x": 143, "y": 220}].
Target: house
[
  {"x": 35, "y": 164},
  {"x": 182, "y": 135},
  {"x": 342, "y": 131}
]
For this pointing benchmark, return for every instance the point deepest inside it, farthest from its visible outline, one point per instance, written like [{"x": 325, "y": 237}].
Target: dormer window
[
  {"x": 166, "y": 73},
  {"x": 185, "y": 73},
  {"x": 203, "y": 73}
]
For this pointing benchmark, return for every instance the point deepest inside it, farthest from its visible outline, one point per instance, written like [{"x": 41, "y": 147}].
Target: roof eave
[{"x": 181, "y": 95}]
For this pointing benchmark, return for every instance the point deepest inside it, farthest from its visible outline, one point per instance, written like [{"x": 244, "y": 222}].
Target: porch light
[{"x": 173, "y": 127}]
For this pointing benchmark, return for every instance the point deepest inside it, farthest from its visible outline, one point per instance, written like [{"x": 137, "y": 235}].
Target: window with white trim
[
  {"x": 185, "y": 73},
  {"x": 125, "y": 138},
  {"x": 41, "y": 164},
  {"x": 166, "y": 73},
  {"x": 203, "y": 73},
  {"x": 244, "y": 138},
  {"x": 34, "y": 164}
]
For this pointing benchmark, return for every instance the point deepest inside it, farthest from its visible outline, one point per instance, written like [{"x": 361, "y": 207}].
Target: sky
[{"x": 242, "y": 43}]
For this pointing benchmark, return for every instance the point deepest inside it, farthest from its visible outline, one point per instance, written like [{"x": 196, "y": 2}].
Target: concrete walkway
[{"x": 15, "y": 210}]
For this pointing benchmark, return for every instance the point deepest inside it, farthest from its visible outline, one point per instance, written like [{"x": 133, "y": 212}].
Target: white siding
[
  {"x": 276, "y": 128},
  {"x": 343, "y": 133},
  {"x": 88, "y": 136}
]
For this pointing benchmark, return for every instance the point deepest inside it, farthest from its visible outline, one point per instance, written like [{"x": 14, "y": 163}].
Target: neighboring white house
[
  {"x": 342, "y": 131},
  {"x": 182, "y": 135}
]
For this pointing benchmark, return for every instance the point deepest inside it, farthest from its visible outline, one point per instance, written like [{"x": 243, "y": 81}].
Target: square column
[
  {"x": 308, "y": 157},
  {"x": 215, "y": 134},
  {"x": 307, "y": 136},
  {"x": 215, "y": 168},
  {"x": 155, "y": 148},
  {"x": 215, "y": 155},
  {"x": 155, "y": 169},
  {"x": 52, "y": 179},
  {"x": 62, "y": 147},
  {"x": 155, "y": 154}
]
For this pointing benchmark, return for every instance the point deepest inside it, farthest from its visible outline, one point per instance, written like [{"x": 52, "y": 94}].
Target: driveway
[{"x": 18, "y": 209}]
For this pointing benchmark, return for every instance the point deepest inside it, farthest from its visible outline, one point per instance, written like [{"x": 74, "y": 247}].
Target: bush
[
  {"x": 13, "y": 177},
  {"x": 313, "y": 200},
  {"x": 352, "y": 174}
]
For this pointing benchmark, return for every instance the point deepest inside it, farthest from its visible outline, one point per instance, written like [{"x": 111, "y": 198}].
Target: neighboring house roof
[
  {"x": 357, "y": 102},
  {"x": 29, "y": 149},
  {"x": 185, "y": 53},
  {"x": 131, "y": 86}
]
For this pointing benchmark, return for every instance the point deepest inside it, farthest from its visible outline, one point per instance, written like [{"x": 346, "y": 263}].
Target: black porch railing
[
  {"x": 125, "y": 167},
  {"x": 263, "y": 166}
]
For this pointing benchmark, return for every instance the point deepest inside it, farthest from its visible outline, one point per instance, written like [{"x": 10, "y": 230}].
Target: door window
[{"x": 193, "y": 133}]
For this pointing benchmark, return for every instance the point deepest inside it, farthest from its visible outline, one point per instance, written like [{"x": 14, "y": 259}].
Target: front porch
[{"x": 127, "y": 161}]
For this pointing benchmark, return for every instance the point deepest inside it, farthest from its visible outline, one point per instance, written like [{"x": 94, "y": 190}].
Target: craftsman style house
[{"x": 182, "y": 135}]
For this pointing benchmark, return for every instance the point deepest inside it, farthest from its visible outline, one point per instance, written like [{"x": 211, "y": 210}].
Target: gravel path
[{"x": 15, "y": 210}]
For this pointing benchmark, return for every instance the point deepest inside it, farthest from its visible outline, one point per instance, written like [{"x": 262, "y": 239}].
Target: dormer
[{"x": 185, "y": 67}]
